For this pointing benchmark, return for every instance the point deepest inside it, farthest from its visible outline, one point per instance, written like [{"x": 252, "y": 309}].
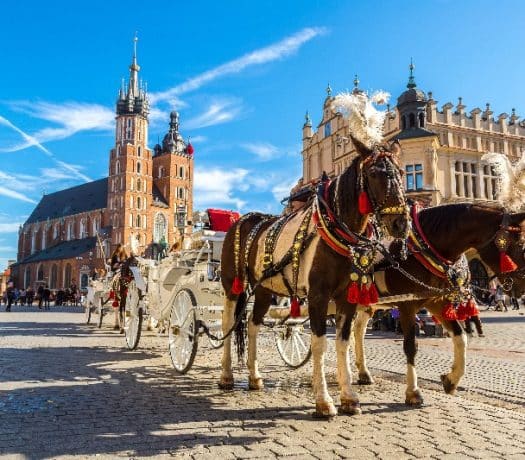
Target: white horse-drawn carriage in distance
[{"x": 181, "y": 295}]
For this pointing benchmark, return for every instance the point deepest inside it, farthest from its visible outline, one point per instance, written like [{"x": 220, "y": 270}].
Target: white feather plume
[
  {"x": 365, "y": 122},
  {"x": 511, "y": 180}
]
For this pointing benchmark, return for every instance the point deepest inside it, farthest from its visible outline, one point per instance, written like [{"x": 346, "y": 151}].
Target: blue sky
[{"x": 241, "y": 74}]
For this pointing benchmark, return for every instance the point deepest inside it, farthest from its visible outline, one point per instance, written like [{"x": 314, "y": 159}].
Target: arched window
[
  {"x": 181, "y": 193},
  {"x": 421, "y": 120},
  {"x": 67, "y": 276},
  {"x": 55, "y": 231},
  {"x": 82, "y": 233},
  {"x": 138, "y": 167},
  {"x": 412, "y": 120},
  {"x": 53, "y": 278},
  {"x": 43, "y": 241},
  {"x": 159, "y": 227},
  {"x": 138, "y": 221},
  {"x": 404, "y": 122},
  {"x": 138, "y": 203},
  {"x": 139, "y": 150},
  {"x": 139, "y": 185},
  {"x": 70, "y": 231},
  {"x": 40, "y": 273},
  {"x": 181, "y": 172},
  {"x": 33, "y": 241},
  {"x": 27, "y": 277},
  {"x": 117, "y": 167}
]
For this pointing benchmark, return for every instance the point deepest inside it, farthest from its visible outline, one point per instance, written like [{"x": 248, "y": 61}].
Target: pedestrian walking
[
  {"x": 500, "y": 299},
  {"x": 30, "y": 295},
  {"x": 47, "y": 296},
  {"x": 40, "y": 295},
  {"x": 10, "y": 294}
]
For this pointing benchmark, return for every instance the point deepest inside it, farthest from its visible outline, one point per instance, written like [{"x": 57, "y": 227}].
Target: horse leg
[
  {"x": 228, "y": 318},
  {"x": 317, "y": 309},
  {"x": 451, "y": 380},
  {"x": 359, "y": 331},
  {"x": 349, "y": 400},
  {"x": 260, "y": 307},
  {"x": 407, "y": 318}
]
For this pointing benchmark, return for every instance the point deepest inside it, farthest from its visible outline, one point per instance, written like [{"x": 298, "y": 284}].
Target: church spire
[
  {"x": 411, "y": 81},
  {"x": 133, "y": 88}
]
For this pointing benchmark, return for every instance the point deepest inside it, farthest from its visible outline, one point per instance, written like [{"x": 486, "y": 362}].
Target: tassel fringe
[
  {"x": 365, "y": 206},
  {"x": 353, "y": 293},
  {"x": 295, "y": 308},
  {"x": 506, "y": 264},
  {"x": 237, "y": 286}
]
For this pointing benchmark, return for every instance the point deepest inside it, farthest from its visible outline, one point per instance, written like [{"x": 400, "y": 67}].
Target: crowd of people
[{"x": 42, "y": 295}]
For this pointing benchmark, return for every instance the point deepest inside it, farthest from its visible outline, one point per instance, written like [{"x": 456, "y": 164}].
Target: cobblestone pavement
[{"x": 69, "y": 389}]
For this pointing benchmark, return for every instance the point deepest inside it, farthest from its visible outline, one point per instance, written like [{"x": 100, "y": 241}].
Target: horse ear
[
  {"x": 395, "y": 148},
  {"x": 361, "y": 148}
]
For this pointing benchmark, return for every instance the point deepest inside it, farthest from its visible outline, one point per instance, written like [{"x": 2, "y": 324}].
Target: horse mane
[
  {"x": 446, "y": 218},
  {"x": 348, "y": 181}
]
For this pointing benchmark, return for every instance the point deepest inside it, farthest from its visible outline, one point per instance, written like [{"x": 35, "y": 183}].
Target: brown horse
[
  {"x": 451, "y": 230},
  {"x": 302, "y": 264}
]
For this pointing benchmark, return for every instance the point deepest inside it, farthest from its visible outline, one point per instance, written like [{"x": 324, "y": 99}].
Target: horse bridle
[{"x": 393, "y": 175}]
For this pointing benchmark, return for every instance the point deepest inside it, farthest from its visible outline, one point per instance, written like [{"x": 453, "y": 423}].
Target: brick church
[{"x": 145, "y": 202}]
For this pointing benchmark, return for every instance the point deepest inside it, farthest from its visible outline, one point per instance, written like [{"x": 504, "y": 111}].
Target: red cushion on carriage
[{"x": 221, "y": 220}]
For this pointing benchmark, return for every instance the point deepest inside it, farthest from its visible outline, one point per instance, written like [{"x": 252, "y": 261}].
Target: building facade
[
  {"x": 145, "y": 203},
  {"x": 441, "y": 147}
]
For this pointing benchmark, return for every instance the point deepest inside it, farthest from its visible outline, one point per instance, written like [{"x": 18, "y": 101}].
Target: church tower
[
  {"x": 130, "y": 182},
  {"x": 173, "y": 181}
]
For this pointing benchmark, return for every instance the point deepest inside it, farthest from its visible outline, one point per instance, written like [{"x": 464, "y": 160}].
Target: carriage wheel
[
  {"x": 87, "y": 312},
  {"x": 132, "y": 316},
  {"x": 100, "y": 313},
  {"x": 216, "y": 344},
  {"x": 182, "y": 331},
  {"x": 294, "y": 344}
]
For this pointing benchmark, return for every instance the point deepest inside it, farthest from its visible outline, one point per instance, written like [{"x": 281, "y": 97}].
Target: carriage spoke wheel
[
  {"x": 87, "y": 311},
  {"x": 100, "y": 312},
  {"x": 294, "y": 344},
  {"x": 182, "y": 331},
  {"x": 132, "y": 316}
]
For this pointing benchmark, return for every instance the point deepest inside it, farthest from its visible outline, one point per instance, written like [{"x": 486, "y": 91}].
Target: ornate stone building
[
  {"x": 441, "y": 147},
  {"x": 145, "y": 203}
]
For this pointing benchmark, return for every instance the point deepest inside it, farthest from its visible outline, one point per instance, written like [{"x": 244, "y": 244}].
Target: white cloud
[
  {"x": 16, "y": 195},
  {"x": 216, "y": 186},
  {"x": 282, "y": 189},
  {"x": 220, "y": 111},
  {"x": 274, "y": 52},
  {"x": 9, "y": 228},
  {"x": 263, "y": 150}
]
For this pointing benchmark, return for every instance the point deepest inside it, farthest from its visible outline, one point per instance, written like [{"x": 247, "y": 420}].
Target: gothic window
[
  {"x": 70, "y": 232},
  {"x": 40, "y": 273},
  {"x": 53, "y": 278},
  {"x": 139, "y": 149},
  {"x": 181, "y": 172},
  {"x": 55, "y": 231},
  {"x": 33, "y": 242},
  {"x": 27, "y": 277},
  {"x": 128, "y": 130},
  {"x": 327, "y": 129},
  {"x": 138, "y": 202},
  {"x": 414, "y": 176},
  {"x": 83, "y": 232},
  {"x": 138, "y": 221},
  {"x": 159, "y": 227},
  {"x": 43, "y": 246},
  {"x": 421, "y": 120},
  {"x": 138, "y": 167},
  {"x": 117, "y": 167},
  {"x": 412, "y": 120},
  {"x": 94, "y": 227},
  {"x": 67, "y": 276}
]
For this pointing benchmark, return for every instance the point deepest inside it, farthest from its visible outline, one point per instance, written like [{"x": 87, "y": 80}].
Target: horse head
[{"x": 380, "y": 178}]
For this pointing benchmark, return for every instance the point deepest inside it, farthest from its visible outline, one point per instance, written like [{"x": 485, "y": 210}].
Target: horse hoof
[
  {"x": 226, "y": 384},
  {"x": 350, "y": 408},
  {"x": 255, "y": 384},
  {"x": 448, "y": 386},
  {"x": 414, "y": 398},
  {"x": 365, "y": 379},
  {"x": 325, "y": 410}
]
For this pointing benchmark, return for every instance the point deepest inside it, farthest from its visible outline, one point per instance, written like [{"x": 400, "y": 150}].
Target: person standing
[
  {"x": 10, "y": 294},
  {"x": 40, "y": 294},
  {"x": 47, "y": 295},
  {"x": 30, "y": 294},
  {"x": 500, "y": 299}
]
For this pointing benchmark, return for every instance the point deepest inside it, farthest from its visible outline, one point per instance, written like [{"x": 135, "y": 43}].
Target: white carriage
[
  {"x": 99, "y": 301},
  {"x": 182, "y": 295}
]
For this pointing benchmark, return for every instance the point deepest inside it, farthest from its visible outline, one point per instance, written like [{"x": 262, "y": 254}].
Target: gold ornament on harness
[
  {"x": 354, "y": 276},
  {"x": 364, "y": 260}
]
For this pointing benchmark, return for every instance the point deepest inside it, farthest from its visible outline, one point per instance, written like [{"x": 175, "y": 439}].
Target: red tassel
[
  {"x": 238, "y": 286},
  {"x": 352, "y": 294},
  {"x": 295, "y": 308},
  {"x": 365, "y": 207},
  {"x": 472, "y": 308},
  {"x": 462, "y": 312},
  {"x": 364, "y": 296},
  {"x": 449, "y": 312},
  {"x": 111, "y": 294},
  {"x": 506, "y": 264},
  {"x": 115, "y": 304},
  {"x": 373, "y": 294}
]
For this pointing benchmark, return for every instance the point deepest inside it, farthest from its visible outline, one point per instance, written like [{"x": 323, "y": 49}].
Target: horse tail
[{"x": 240, "y": 328}]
